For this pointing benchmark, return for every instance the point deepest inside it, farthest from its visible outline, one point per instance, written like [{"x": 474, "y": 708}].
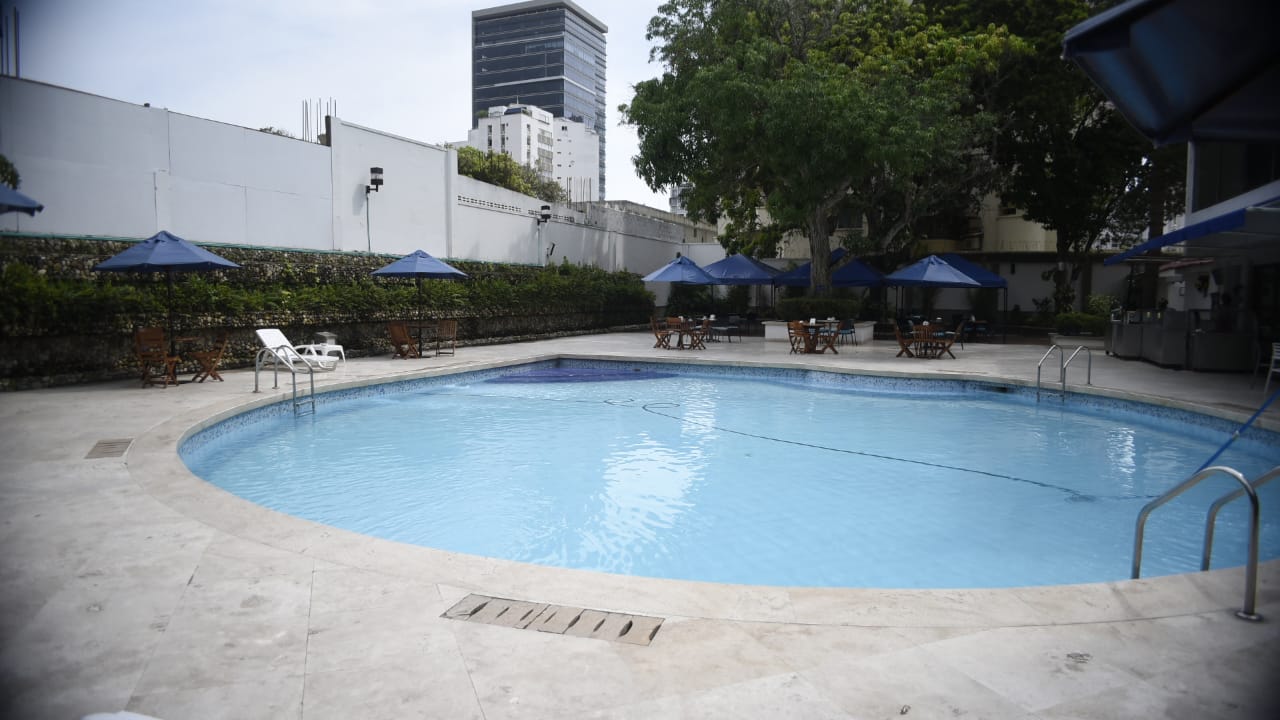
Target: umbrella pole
[
  {"x": 418, "y": 281},
  {"x": 173, "y": 342}
]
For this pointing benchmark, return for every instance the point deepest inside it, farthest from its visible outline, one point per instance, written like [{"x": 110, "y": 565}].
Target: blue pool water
[{"x": 763, "y": 477}]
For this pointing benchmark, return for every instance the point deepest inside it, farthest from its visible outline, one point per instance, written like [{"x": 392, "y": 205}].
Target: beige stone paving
[{"x": 130, "y": 584}]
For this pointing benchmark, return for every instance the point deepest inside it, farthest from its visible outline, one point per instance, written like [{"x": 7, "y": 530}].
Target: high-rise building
[
  {"x": 563, "y": 150},
  {"x": 548, "y": 53}
]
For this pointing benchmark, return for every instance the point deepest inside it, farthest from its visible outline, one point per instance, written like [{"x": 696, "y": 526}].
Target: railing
[
  {"x": 1088, "y": 378},
  {"x": 1251, "y": 566},
  {"x": 1217, "y": 505},
  {"x": 1061, "y": 369},
  {"x": 1063, "y": 364},
  {"x": 275, "y": 356}
]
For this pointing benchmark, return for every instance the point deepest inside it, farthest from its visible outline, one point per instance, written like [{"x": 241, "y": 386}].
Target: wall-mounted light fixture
[
  {"x": 375, "y": 185},
  {"x": 544, "y": 215}
]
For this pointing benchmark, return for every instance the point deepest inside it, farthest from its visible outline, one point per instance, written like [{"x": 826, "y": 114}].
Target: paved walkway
[{"x": 130, "y": 584}]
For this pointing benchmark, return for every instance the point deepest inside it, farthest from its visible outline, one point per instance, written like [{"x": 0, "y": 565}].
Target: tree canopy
[
  {"x": 501, "y": 170},
  {"x": 807, "y": 108},
  {"x": 1067, "y": 158}
]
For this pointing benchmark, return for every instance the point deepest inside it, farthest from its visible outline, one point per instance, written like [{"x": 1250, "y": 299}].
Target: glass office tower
[{"x": 548, "y": 53}]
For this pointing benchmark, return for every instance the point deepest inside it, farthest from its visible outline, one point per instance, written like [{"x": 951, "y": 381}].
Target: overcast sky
[{"x": 400, "y": 66}]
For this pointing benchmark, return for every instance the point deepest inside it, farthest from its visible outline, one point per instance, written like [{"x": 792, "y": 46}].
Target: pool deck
[{"x": 129, "y": 584}]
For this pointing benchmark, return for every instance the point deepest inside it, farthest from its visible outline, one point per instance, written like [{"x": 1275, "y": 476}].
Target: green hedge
[
  {"x": 32, "y": 303},
  {"x": 1076, "y": 323}
]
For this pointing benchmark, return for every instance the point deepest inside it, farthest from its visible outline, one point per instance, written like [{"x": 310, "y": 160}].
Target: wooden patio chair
[
  {"x": 904, "y": 342},
  {"x": 697, "y": 333},
  {"x": 798, "y": 335},
  {"x": 159, "y": 366},
  {"x": 209, "y": 359},
  {"x": 402, "y": 343},
  {"x": 446, "y": 334},
  {"x": 948, "y": 339},
  {"x": 661, "y": 336}
]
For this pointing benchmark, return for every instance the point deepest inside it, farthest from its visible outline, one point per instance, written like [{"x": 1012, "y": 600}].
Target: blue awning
[
  {"x": 1186, "y": 69},
  {"x": 1251, "y": 221}
]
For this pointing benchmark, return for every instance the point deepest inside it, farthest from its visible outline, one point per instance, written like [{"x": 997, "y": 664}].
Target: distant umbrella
[
  {"x": 802, "y": 276},
  {"x": 931, "y": 271},
  {"x": 167, "y": 253},
  {"x": 681, "y": 270},
  {"x": 741, "y": 270},
  {"x": 856, "y": 273},
  {"x": 418, "y": 265},
  {"x": 13, "y": 201}
]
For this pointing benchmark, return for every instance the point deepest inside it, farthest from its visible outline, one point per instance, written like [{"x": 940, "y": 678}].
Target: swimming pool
[{"x": 759, "y": 476}]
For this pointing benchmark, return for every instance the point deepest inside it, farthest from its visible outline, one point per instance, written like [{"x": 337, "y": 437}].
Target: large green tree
[
  {"x": 1068, "y": 159},
  {"x": 806, "y": 108}
]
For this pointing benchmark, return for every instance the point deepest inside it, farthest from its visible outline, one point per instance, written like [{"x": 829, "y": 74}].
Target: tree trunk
[{"x": 820, "y": 251}]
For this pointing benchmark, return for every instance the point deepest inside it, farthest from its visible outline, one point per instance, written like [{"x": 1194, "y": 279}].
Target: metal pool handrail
[
  {"x": 1061, "y": 370},
  {"x": 1218, "y": 504},
  {"x": 1251, "y": 567},
  {"x": 277, "y": 358},
  {"x": 1088, "y": 378}
]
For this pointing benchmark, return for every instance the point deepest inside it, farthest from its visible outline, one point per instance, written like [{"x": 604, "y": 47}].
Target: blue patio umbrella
[
  {"x": 418, "y": 265},
  {"x": 13, "y": 201},
  {"x": 985, "y": 277},
  {"x": 166, "y": 253},
  {"x": 856, "y": 273},
  {"x": 739, "y": 269},
  {"x": 931, "y": 271},
  {"x": 681, "y": 270},
  {"x": 800, "y": 276}
]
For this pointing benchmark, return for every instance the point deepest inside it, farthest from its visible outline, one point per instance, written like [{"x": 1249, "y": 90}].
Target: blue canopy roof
[
  {"x": 164, "y": 252},
  {"x": 1186, "y": 69},
  {"x": 985, "y": 277},
  {"x": 1233, "y": 226},
  {"x": 681, "y": 270},
  {"x": 931, "y": 271},
  {"x": 800, "y": 276},
  {"x": 13, "y": 201},
  {"x": 419, "y": 264},
  {"x": 741, "y": 270},
  {"x": 856, "y": 273}
]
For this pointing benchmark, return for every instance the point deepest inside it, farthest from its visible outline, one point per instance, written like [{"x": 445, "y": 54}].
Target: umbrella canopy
[
  {"x": 931, "y": 271},
  {"x": 856, "y": 273},
  {"x": 167, "y": 253},
  {"x": 741, "y": 270},
  {"x": 13, "y": 201},
  {"x": 681, "y": 270},
  {"x": 800, "y": 276},
  {"x": 418, "y": 265},
  {"x": 985, "y": 277}
]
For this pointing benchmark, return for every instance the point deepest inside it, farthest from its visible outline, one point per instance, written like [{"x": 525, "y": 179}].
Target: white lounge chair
[{"x": 277, "y": 348}]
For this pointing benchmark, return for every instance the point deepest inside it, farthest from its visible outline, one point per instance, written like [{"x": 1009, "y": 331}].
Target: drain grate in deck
[
  {"x": 557, "y": 619},
  {"x": 109, "y": 448}
]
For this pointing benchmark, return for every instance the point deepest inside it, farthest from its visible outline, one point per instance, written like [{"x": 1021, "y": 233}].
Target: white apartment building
[
  {"x": 577, "y": 160},
  {"x": 560, "y": 149},
  {"x": 523, "y": 132}
]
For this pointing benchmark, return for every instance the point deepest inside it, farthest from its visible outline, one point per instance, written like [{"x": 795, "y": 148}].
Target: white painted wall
[{"x": 102, "y": 167}]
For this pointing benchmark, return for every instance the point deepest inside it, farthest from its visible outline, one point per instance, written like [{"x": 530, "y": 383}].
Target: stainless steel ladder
[
  {"x": 1247, "y": 612},
  {"x": 305, "y": 404},
  {"x": 1063, "y": 363}
]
